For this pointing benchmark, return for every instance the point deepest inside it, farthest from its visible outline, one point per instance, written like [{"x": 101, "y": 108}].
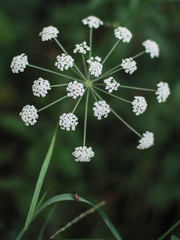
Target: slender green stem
[
  {"x": 92, "y": 91},
  {"x": 138, "y": 88},
  {"x": 115, "y": 96},
  {"x": 85, "y": 118},
  {"x": 138, "y": 55},
  {"x": 72, "y": 69},
  {"x": 120, "y": 118},
  {"x": 112, "y": 49},
  {"x": 84, "y": 63},
  {"x": 169, "y": 230},
  {"x": 77, "y": 103},
  {"x": 106, "y": 75},
  {"x": 99, "y": 84},
  {"x": 63, "y": 49},
  {"x": 90, "y": 41},
  {"x": 47, "y": 70},
  {"x": 59, "y": 85},
  {"x": 78, "y": 218},
  {"x": 49, "y": 105}
]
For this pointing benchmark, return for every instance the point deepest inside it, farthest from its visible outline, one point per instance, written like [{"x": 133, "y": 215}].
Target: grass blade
[{"x": 70, "y": 197}]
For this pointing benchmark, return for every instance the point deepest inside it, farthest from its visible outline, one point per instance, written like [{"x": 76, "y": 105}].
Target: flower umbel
[
  {"x": 162, "y": 92},
  {"x": 90, "y": 82},
  {"x": 19, "y": 63}
]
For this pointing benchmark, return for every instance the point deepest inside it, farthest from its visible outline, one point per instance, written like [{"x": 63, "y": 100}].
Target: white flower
[
  {"x": 95, "y": 67},
  {"x": 48, "y": 33},
  {"x": 81, "y": 48},
  {"x": 152, "y": 48},
  {"x": 19, "y": 63},
  {"x": 162, "y": 92},
  {"x": 40, "y": 87},
  {"x": 111, "y": 84},
  {"x": 123, "y": 34},
  {"x": 129, "y": 65},
  {"x": 29, "y": 115},
  {"x": 101, "y": 109},
  {"x": 64, "y": 62},
  {"x": 68, "y": 121},
  {"x": 83, "y": 154},
  {"x": 75, "y": 89},
  {"x": 92, "y": 22},
  {"x": 139, "y": 105},
  {"x": 146, "y": 141}
]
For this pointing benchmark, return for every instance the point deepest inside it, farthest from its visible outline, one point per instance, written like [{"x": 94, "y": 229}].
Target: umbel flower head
[{"x": 91, "y": 81}]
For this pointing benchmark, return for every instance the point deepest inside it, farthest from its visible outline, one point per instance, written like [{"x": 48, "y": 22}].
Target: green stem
[
  {"x": 90, "y": 41},
  {"x": 59, "y": 85},
  {"x": 138, "y": 55},
  {"x": 63, "y": 49},
  {"x": 84, "y": 63},
  {"x": 106, "y": 75},
  {"x": 49, "y": 105},
  {"x": 121, "y": 119},
  {"x": 77, "y": 103},
  {"x": 112, "y": 49},
  {"x": 72, "y": 69},
  {"x": 138, "y": 88},
  {"x": 115, "y": 96},
  {"x": 85, "y": 118},
  {"x": 47, "y": 70},
  {"x": 169, "y": 230},
  {"x": 92, "y": 91}
]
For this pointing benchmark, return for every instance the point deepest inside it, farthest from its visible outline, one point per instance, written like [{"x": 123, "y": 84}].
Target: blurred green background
[{"x": 143, "y": 187}]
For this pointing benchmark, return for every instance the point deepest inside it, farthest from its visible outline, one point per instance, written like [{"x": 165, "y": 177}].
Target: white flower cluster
[
  {"x": 92, "y": 22},
  {"x": 75, "y": 89},
  {"x": 139, "y": 105},
  {"x": 64, "y": 62},
  {"x": 82, "y": 48},
  {"x": 68, "y": 121},
  {"x": 146, "y": 141},
  {"x": 83, "y": 154},
  {"x": 95, "y": 68},
  {"x": 111, "y": 84},
  {"x": 129, "y": 65},
  {"x": 40, "y": 87},
  {"x": 162, "y": 92},
  {"x": 19, "y": 63},
  {"x": 123, "y": 34},
  {"x": 101, "y": 109},
  {"x": 48, "y": 33},
  {"x": 152, "y": 48},
  {"x": 29, "y": 115}
]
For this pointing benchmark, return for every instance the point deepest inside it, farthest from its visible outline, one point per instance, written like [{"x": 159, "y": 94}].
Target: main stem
[{"x": 85, "y": 118}]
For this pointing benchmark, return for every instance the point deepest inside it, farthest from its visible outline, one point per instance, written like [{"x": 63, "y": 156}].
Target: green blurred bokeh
[{"x": 143, "y": 187}]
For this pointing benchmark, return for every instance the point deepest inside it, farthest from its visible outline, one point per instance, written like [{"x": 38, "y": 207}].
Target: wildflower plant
[{"x": 92, "y": 81}]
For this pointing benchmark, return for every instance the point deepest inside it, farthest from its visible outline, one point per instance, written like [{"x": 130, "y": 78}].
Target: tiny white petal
[
  {"x": 95, "y": 67},
  {"x": 146, "y": 141},
  {"x": 75, "y": 89},
  {"x": 139, "y": 105},
  {"x": 111, "y": 84},
  {"x": 29, "y": 115},
  {"x": 68, "y": 121},
  {"x": 129, "y": 65},
  {"x": 101, "y": 109},
  {"x": 123, "y": 34},
  {"x": 82, "y": 48},
  {"x": 19, "y": 63},
  {"x": 162, "y": 92},
  {"x": 151, "y": 47},
  {"x": 83, "y": 154},
  {"x": 92, "y": 22},
  {"x": 48, "y": 33},
  {"x": 40, "y": 87},
  {"x": 64, "y": 62}
]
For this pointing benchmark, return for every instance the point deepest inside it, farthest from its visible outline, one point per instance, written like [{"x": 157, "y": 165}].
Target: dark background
[{"x": 142, "y": 186}]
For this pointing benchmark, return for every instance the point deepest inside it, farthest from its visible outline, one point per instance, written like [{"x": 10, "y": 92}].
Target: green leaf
[
  {"x": 40, "y": 202},
  {"x": 173, "y": 237},
  {"x": 70, "y": 197},
  {"x": 40, "y": 181}
]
